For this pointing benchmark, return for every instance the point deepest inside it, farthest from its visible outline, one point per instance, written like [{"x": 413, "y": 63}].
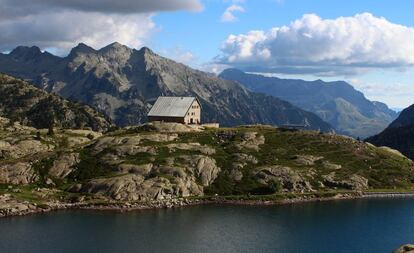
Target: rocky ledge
[
  {"x": 10, "y": 206},
  {"x": 408, "y": 248}
]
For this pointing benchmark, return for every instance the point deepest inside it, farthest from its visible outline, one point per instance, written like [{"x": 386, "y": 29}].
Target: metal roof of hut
[{"x": 171, "y": 106}]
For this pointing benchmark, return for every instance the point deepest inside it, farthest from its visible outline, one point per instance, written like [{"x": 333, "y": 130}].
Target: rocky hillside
[
  {"x": 124, "y": 82},
  {"x": 22, "y": 102},
  {"x": 156, "y": 162},
  {"x": 399, "y": 135},
  {"x": 337, "y": 103}
]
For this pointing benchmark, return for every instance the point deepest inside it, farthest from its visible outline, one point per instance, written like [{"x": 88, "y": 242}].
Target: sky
[{"x": 368, "y": 43}]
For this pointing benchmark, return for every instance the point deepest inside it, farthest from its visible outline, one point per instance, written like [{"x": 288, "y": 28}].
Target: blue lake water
[{"x": 376, "y": 225}]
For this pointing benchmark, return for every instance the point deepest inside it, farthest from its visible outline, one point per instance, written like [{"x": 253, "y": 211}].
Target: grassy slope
[{"x": 383, "y": 169}]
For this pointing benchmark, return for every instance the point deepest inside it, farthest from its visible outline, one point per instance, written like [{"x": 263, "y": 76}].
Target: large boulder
[
  {"x": 289, "y": 179},
  {"x": 245, "y": 158},
  {"x": 63, "y": 165},
  {"x": 143, "y": 169},
  {"x": 203, "y": 167},
  {"x": 331, "y": 166},
  {"x": 408, "y": 248},
  {"x": 207, "y": 170},
  {"x": 14, "y": 148},
  {"x": 17, "y": 173},
  {"x": 307, "y": 160},
  {"x": 354, "y": 182},
  {"x": 134, "y": 187},
  {"x": 130, "y": 187},
  {"x": 251, "y": 140}
]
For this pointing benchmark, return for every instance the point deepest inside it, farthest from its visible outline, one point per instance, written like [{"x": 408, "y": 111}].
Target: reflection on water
[{"x": 341, "y": 226}]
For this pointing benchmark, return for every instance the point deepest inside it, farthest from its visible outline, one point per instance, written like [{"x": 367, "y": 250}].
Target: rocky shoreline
[
  {"x": 11, "y": 207},
  {"x": 407, "y": 248}
]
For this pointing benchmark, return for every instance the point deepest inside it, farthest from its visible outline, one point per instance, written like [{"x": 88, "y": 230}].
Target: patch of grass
[
  {"x": 90, "y": 166},
  {"x": 42, "y": 168}
]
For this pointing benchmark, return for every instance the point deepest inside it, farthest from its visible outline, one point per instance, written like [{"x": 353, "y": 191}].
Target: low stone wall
[{"x": 211, "y": 125}]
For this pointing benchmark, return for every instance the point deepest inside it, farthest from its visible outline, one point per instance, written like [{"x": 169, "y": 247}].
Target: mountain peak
[
  {"x": 146, "y": 50},
  {"x": 114, "y": 46},
  {"x": 233, "y": 70},
  {"x": 82, "y": 48},
  {"x": 337, "y": 102},
  {"x": 120, "y": 81},
  {"x": 24, "y": 52}
]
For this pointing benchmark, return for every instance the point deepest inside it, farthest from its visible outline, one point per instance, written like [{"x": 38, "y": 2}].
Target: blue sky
[
  {"x": 372, "y": 47},
  {"x": 203, "y": 32}
]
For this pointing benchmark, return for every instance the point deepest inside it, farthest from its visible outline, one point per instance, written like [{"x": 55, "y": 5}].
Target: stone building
[{"x": 185, "y": 110}]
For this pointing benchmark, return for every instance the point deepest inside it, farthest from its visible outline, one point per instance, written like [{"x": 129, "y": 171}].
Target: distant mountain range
[
  {"x": 399, "y": 135},
  {"x": 22, "y": 102},
  {"x": 124, "y": 82},
  {"x": 337, "y": 103}
]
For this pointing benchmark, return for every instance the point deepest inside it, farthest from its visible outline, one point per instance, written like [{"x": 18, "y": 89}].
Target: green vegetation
[
  {"x": 245, "y": 163},
  {"x": 24, "y": 103},
  {"x": 42, "y": 168},
  {"x": 89, "y": 167},
  {"x": 383, "y": 169}
]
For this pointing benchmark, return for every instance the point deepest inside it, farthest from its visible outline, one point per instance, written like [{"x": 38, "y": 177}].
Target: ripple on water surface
[{"x": 377, "y": 225}]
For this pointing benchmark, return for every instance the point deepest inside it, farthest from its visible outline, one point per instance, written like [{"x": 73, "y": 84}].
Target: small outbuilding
[{"x": 185, "y": 110}]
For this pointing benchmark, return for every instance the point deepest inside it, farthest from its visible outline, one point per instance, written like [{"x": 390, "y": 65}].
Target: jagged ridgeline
[
  {"x": 24, "y": 103},
  {"x": 124, "y": 82},
  {"x": 337, "y": 103}
]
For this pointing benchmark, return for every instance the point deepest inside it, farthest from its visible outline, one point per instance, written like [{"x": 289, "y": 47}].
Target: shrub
[{"x": 90, "y": 136}]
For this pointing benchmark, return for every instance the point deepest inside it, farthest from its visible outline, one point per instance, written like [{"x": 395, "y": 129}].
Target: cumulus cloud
[
  {"x": 64, "y": 29},
  {"x": 397, "y": 94},
  {"x": 214, "y": 68},
  {"x": 180, "y": 55},
  {"x": 228, "y": 15},
  {"x": 61, "y": 24},
  {"x": 346, "y": 45},
  {"x": 107, "y": 6}
]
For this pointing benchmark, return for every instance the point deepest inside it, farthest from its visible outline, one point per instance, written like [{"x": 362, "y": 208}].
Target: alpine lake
[{"x": 345, "y": 226}]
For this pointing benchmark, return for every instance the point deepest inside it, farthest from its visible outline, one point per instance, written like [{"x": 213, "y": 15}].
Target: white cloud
[
  {"x": 178, "y": 54},
  {"x": 22, "y": 7},
  {"x": 61, "y": 24},
  {"x": 346, "y": 45},
  {"x": 228, "y": 15},
  {"x": 398, "y": 94},
  {"x": 65, "y": 29},
  {"x": 214, "y": 68}
]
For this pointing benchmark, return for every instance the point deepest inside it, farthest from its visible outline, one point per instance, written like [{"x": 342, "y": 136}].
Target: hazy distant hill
[
  {"x": 123, "y": 82},
  {"x": 338, "y": 103},
  {"x": 20, "y": 101},
  {"x": 399, "y": 135}
]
